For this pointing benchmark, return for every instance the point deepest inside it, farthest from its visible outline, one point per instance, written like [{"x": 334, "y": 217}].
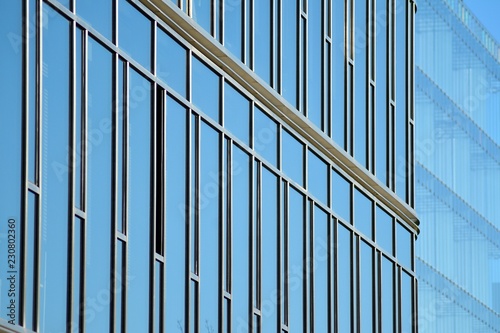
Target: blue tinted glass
[
  {"x": 320, "y": 262},
  {"x": 269, "y": 249},
  {"x": 318, "y": 177},
  {"x": 384, "y": 227},
  {"x": 237, "y": 113},
  {"x": 139, "y": 199},
  {"x": 99, "y": 185},
  {"x": 193, "y": 309},
  {"x": 338, "y": 73},
  {"x": 202, "y": 14},
  {"x": 171, "y": 60},
  {"x": 194, "y": 221},
  {"x": 303, "y": 66},
  {"x": 344, "y": 280},
  {"x": 387, "y": 296},
  {"x": 176, "y": 214},
  {"x": 363, "y": 214},
  {"x": 158, "y": 298},
  {"x": 262, "y": 39},
  {"x": 233, "y": 27},
  {"x": 366, "y": 287},
  {"x": 341, "y": 196},
  {"x": 361, "y": 84},
  {"x": 241, "y": 240},
  {"x": 11, "y": 83},
  {"x": 134, "y": 33},
  {"x": 289, "y": 47},
  {"x": 404, "y": 245},
  {"x": 120, "y": 285},
  {"x": 78, "y": 120},
  {"x": 292, "y": 153},
  {"x": 406, "y": 303},
  {"x": 401, "y": 116},
  {"x": 265, "y": 136},
  {"x": 99, "y": 14},
  {"x": 56, "y": 83},
  {"x": 314, "y": 61},
  {"x": 120, "y": 135},
  {"x": 381, "y": 91},
  {"x": 30, "y": 260},
  {"x": 296, "y": 277},
  {"x": 77, "y": 265},
  {"x": 33, "y": 123},
  {"x": 209, "y": 216},
  {"x": 205, "y": 89}
]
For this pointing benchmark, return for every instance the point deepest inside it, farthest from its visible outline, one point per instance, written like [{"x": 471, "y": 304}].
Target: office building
[{"x": 207, "y": 166}]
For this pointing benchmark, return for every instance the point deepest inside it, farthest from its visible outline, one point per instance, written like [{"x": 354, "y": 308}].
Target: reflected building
[
  {"x": 207, "y": 166},
  {"x": 457, "y": 170}
]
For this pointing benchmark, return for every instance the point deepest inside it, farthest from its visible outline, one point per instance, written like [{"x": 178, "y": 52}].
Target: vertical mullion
[
  {"x": 154, "y": 203},
  {"x": 125, "y": 111},
  {"x": 335, "y": 305},
  {"x": 116, "y": 180},
  {"x": 311, "y": 267}
]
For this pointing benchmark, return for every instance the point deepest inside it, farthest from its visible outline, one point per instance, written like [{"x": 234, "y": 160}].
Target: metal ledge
[{"x": 213, "y": 50}]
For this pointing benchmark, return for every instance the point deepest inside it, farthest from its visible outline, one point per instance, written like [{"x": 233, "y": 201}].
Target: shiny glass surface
[
  {"x": 385, "y": 230},
  {"x": 290, "y": 63},
  {"x": 292, "y": 153},
  {"x": 321, "y": 250},
  {"x": 99, "y": 14},
  {"x": 233, "y": 27},
  {"x": 171, "y": 62},
  {"x": 344, "y": 279},
  {"x": 363, "y": 213},
  {"x": 317, "y": 177},
  {"x": 237, "y": 113},
  {"x": 262, "y": 39},
  {"x": 134, "y": 33},
  {"x": 205, "y": 85},
  {"x": 341, "y": 196},
  {"x": 314, "y": 62},
  {"x": 265, "y": 136}
]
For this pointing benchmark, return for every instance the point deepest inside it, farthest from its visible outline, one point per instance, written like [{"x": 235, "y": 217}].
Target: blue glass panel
[
  {"x": 388, "y": 310},
  {"x": 99, "y": 14},
  {"x": 290, "y": 63},
  {"x": 56, "y": 218},
  {"x": 338, "y": 74},
  {"x": 237, "y": 113},
  {"x": 363, "y": 214},
  {"x": 382, "y": 107},
  {"x": 384, "y": 227},
  {"x": 406, "y": 303},
  {"x": 341, "y": 196},
  {"x": 158, "y": 298},
  {"x": 120, "y": 285},
  {"x": 361, "y": 83},
  {"x": 139, "y": 201},
  {"x": 33, "y": 121},
  {"x": 320, "y": 262},
  {"x": 171, "y": 59},
  {"x": 241, "y": 240},
  {"x": 209, "y": 215},
  {"x": 77, "y": 149},
  {"x": 77, "y": 271},
  {"x": 134, "y": 33},
  {"x": 314, "y": 62},
  {"x": 11, "y": 83},
  {"x": 262, "y": 39},
  {"x": 120, "y": 134},
  {"x": 176, "y": 214},
  {"x": 269, "y": 238},
  {"x": 202, "y": 14},
  {"x": 99, "y": 184},
  {"x": 205, "y": 89},
  {"x": 401, "y": 114},
  {"x": 404, "y": 245},
  {"x": 344, "y": 279},
  {"x": 194, "y": 220},
  {"x": 30, "y": 260},
  {"x": 233, "y": 27},
  {"x": 292, "y": 153},
  {"x": 265, "y": 136},
  {"x": 193, "y": 308},
  {"x": 296, "y": 277},
  {"x": 367, "y": 284},
  {"x": 318, "y": 177}
]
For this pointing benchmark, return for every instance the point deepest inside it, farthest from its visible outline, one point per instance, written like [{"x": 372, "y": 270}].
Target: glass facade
[
  {"x": 207, "y": 166},
  {"x": 457, "y": 170}
]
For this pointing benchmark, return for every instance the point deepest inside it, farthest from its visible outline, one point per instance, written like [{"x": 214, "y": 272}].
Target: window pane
[
  {"x": 78, "y": 145},
  {"x": 237, "y": 113},
  {"x": 209, "y": 227},
  {"x": 320, "y": 262},
  {"x": 344, "y": 259},
  {"x": 241, "y": 240},
  {"x": 99, "y": 14},
  {"x": 296, "y": 261},
  {"x": 134, "y": 33},
  {"x": 77, "y": 271},
  {"x": 30, "y": 259},
  {"x": 341, "y": 196},
  {"x": 202, "y": 13},
  {"x": 363, "y": 215},
  {"x": 292, "y": 153},
  {"x": 314, "y": 61},
  {"x": 406, "y": 303},
  {"x": 205, "y": 89},
  {"x": 404, "y": 243},
  {"x": 265, "y": 136},
  {"x": 55, "y": 220},
  {"x": 121, "y": 135},
  {"x": 381, "y": 88},
  {"x": 233, "y": 27},
  {"x": 269, "y": 250},
  {"x": 366, "y": 287},
  {"x": 139, "y": 159},
  {"x": 158, "y": 296},
  {"x": 338, "y": 74},
  {"x": 289, "y": 47},
  {"x": 99, "y": 182},
  {"x": 388, "y": 314},
  {"x": 384, "y": 227},
  {"x": 121, "y": 284},
  {"x": 33, "y": 121},
  {"x": 262, "y": 39},
  {"x": 176, "y": 214},
  {"x": 318, "y": 177},
  {"x": 171, "y": 62}
]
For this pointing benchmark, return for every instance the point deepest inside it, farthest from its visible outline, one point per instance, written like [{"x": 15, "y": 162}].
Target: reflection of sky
[{"x": 487, "y": 13}]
